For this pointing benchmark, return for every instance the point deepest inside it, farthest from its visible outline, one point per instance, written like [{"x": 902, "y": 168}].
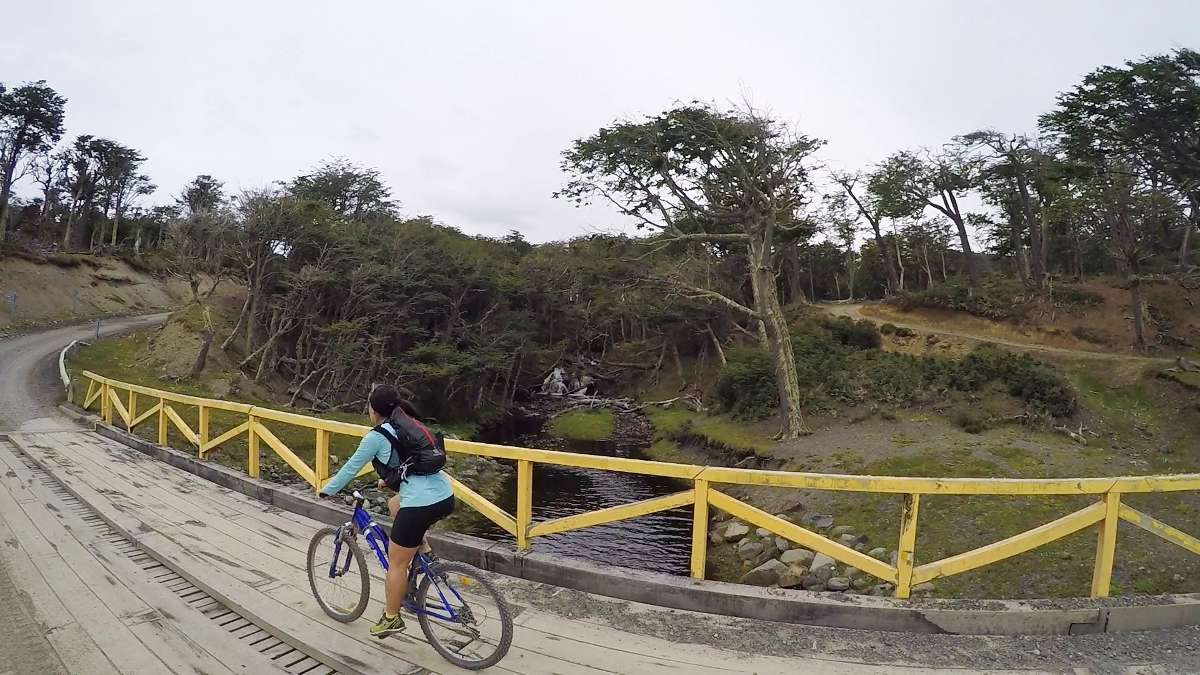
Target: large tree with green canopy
[
  {"x": 31, "y": 122},
  {"x": 727, "y": 182}
]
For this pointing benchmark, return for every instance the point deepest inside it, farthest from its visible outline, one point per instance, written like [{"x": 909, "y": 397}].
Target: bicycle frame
[{"x": 377, "y": 540}]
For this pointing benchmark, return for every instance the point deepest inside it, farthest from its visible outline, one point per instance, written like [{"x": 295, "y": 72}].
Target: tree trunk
[
  {"x": 1016, "y": 241},
  {"x": 716, "y": 343},
  {"x": 10, "y": 167},
  {"x": 928, "y": 267},
  {"x": 779, "y": 340},
  {"x": 1139, "y": 329},
  {"x": 1037, "y": 250},
  {"x": 202, "y": 357},
  {"x": 968, "y": 254},
  {"x": 1194, "y": 204},
  {"x": 237, "y": 326}
]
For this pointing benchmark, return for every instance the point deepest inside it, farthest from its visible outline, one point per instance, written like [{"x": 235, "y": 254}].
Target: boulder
[
  {"x": 817, "y": 521},
  {"x": 812, "y": 583},
  {"x": 790, "y": 579},
  {"x": 735, "y": 531},
  {"x": 765, "y": 574},
  {"x": 838, "y": 584},
  {"x": 783, "y": 516},
  {"x": 824, "y": 573},
  {"x": 878, "y": 553},
  {"x": 763, "y": 532},
  {"x": 748, "y": 550},
  {"x": 796, "y": 556},
  {"x": 716, "y": 538},
  {"x": 822, "y": 560},
  {"x": 782, "y": 544},
  {"x": 850, "y": 540},
  {"x": 840, "y": 530},
  {"x": 862, "y": 583}
]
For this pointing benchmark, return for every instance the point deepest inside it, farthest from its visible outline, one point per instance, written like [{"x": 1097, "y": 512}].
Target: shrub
[
  {"x": 902, "y": 331},
  {"x": 887, "y": 329},
  {"x": 1089, "y": 334},
  {"x": 1034, "y": 383},
  {"x": 860, "y": 334},
  {"x": 1077, "y": 296},
  {"x": 746, "y": 385},
  {"x": 970, "y": 420}
]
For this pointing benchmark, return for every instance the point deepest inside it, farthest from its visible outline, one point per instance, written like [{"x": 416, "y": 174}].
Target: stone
[
  {"x": 790, "y": 579},
  {"x": 333, "y": 459},
  {"x": 860, "y": 547},
  {"x": 735, "y": 531},
  {"x": 862, "y": 583},
  {"x": 796, "y": 556},
  {"x": 716, "y": 538},
  {"x": 853, "y": 573},
  {"x": 1178, "y": 578},
  {"x": 810, "y": 582},
  {"x": 817, "y": 521},
  {"x": 848, "y": 540},
  {"x": 882, "y": 590},
  {"x": 782, "y": 544},
  {"x": 922, "y": 589},
  {"x": 878, "y": 553},
  {"x": 838, "y": 584},
  {"x": 763, "y": 533},
  {"x": 783, "y": 516},
  {"x": 840, "y": 530},
  {"x": 894, "y": 556},
  {"x": 824, "y": 573},
  {"x": 821, "y": 560},
  {"x": 765, "y": 574},
  {"x": 748, "y": 550}
]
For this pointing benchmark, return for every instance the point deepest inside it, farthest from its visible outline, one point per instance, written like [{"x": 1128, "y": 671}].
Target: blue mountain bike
[{"x": 460, "y": 611}]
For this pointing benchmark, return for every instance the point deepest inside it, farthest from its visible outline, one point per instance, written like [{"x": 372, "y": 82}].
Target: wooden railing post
[
  {"x": 1106, "y": 545},
  {"x": 132, "y": 410},
  {"x": 162, "y": 421},
  {"x": 908, "y": 543},
  {"x": 700, "y": 528},
  {"x": 524, "y": 502},
  {"x": 252, "y": 458},
  {"x": 322, "y": 458},
  {"x": 202, "y": 421},
  {"x": 106, "y": 404}
]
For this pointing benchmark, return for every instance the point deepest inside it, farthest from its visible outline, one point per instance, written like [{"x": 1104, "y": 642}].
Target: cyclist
[{"x": 422, "y": 500}]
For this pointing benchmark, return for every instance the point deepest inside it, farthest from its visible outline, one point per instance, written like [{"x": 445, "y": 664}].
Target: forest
[{"x": 738, "y": 225}]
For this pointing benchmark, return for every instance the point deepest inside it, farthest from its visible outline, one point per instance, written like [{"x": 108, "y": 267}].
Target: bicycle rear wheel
[
  {"x": 344, "y": 594},
  {"x": 483, "y": 633}
]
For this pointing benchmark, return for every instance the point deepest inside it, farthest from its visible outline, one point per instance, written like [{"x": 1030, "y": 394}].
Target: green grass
[
  {"x": 718, "y": 429},
  {"x": 584, "y": 425},
  {"x": 1122, "y": 407}
]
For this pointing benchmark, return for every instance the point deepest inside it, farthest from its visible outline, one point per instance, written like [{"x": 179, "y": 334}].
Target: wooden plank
[
  {"x": 182, "y": 426},
  {"x": 115, "y": 401},
  {"x": 112, "y": 637},
  {"x": 75, "y": 648},
  {"x": 620, "y": 464},
  {"x": 699, "y": 528},
  {"x": 184, "y": 637},
  {"x": 144, "y": 416},
  {"x": 1020, "y": 543},
  {"x": 524, "y": 502},
  {"x": 286, "y": 453},
  {"x": 253, "y": 453},
  {"x": 908, "y": 543},
  {"x": 489, "y": 510},
  {"x": 1160, "y": 529},
  {"x": 798, "y": 534},
  {"x": 612, "y": 514},
  {"x": 224, "y": 438},
  {"x": 1106, "y": 545}
]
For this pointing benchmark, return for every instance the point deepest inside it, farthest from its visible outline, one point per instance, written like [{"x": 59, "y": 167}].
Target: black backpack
[{"x": 416, "y": 451}]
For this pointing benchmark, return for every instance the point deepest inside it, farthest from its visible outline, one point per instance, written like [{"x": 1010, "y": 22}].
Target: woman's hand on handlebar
[{"x": 381, "y": 485}]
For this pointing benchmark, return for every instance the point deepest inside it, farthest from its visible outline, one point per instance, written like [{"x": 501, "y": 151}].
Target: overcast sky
[{"x": 465, "y": 106}]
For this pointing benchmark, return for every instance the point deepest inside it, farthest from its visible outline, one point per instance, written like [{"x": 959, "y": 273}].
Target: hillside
[{"x": 77, "y": 287}]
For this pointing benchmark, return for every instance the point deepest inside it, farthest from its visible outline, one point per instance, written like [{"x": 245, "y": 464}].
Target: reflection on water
[{"x": 659, "y": 542}]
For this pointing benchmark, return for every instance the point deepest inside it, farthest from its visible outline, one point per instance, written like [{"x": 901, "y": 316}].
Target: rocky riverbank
[{"x": 765, "y": 559}]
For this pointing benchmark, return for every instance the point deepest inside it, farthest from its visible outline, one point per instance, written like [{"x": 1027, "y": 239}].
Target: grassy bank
[{"x": 584, "y": 425}]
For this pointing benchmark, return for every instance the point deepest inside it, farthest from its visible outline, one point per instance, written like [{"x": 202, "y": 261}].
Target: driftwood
[
  {"x": 625, "y": 405},
  {"x": 1076, "y": 436}
]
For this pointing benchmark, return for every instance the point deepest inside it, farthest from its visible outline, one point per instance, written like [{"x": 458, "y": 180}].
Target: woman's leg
[{"x": 399, "y": 558}]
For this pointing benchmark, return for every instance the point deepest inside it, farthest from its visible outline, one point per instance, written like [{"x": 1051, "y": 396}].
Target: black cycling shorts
[{"x": 413, "y": 522}]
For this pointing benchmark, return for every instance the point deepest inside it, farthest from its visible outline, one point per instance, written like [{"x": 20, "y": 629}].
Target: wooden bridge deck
[{"x": 127, "y": 566}]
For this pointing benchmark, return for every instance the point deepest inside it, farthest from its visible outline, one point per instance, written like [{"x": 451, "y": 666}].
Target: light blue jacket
[{"x": 415, "y": 491}]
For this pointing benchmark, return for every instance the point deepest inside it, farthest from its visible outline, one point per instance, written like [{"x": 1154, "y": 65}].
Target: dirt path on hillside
[{"x": 855, "y": 311}]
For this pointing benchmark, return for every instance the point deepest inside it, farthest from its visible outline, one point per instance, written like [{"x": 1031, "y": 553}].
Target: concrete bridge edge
[{"x": 962, "y": 617}]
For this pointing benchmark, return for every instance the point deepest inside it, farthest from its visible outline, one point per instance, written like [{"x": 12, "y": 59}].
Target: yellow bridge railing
[{"x": 121, "y": 400}]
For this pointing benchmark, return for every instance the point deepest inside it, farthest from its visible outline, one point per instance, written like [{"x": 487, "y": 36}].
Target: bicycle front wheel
[
  {"x": 341, "y": 587},
  {"x": 464, "y": 617}
]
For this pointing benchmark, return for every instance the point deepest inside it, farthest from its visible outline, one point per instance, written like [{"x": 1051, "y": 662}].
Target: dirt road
[
  {"x": 29, "y": 384},
  {"x": 855, "y": 311}
]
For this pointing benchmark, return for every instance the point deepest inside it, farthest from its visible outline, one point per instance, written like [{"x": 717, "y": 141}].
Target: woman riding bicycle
[{"x": 422, "y": 500}]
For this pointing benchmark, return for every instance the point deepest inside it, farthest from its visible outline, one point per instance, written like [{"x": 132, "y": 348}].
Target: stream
[{"x": 659, "y": 542}]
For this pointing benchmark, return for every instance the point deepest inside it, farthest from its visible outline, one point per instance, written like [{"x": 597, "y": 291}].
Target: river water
[{"x": 659, "y": 542}]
